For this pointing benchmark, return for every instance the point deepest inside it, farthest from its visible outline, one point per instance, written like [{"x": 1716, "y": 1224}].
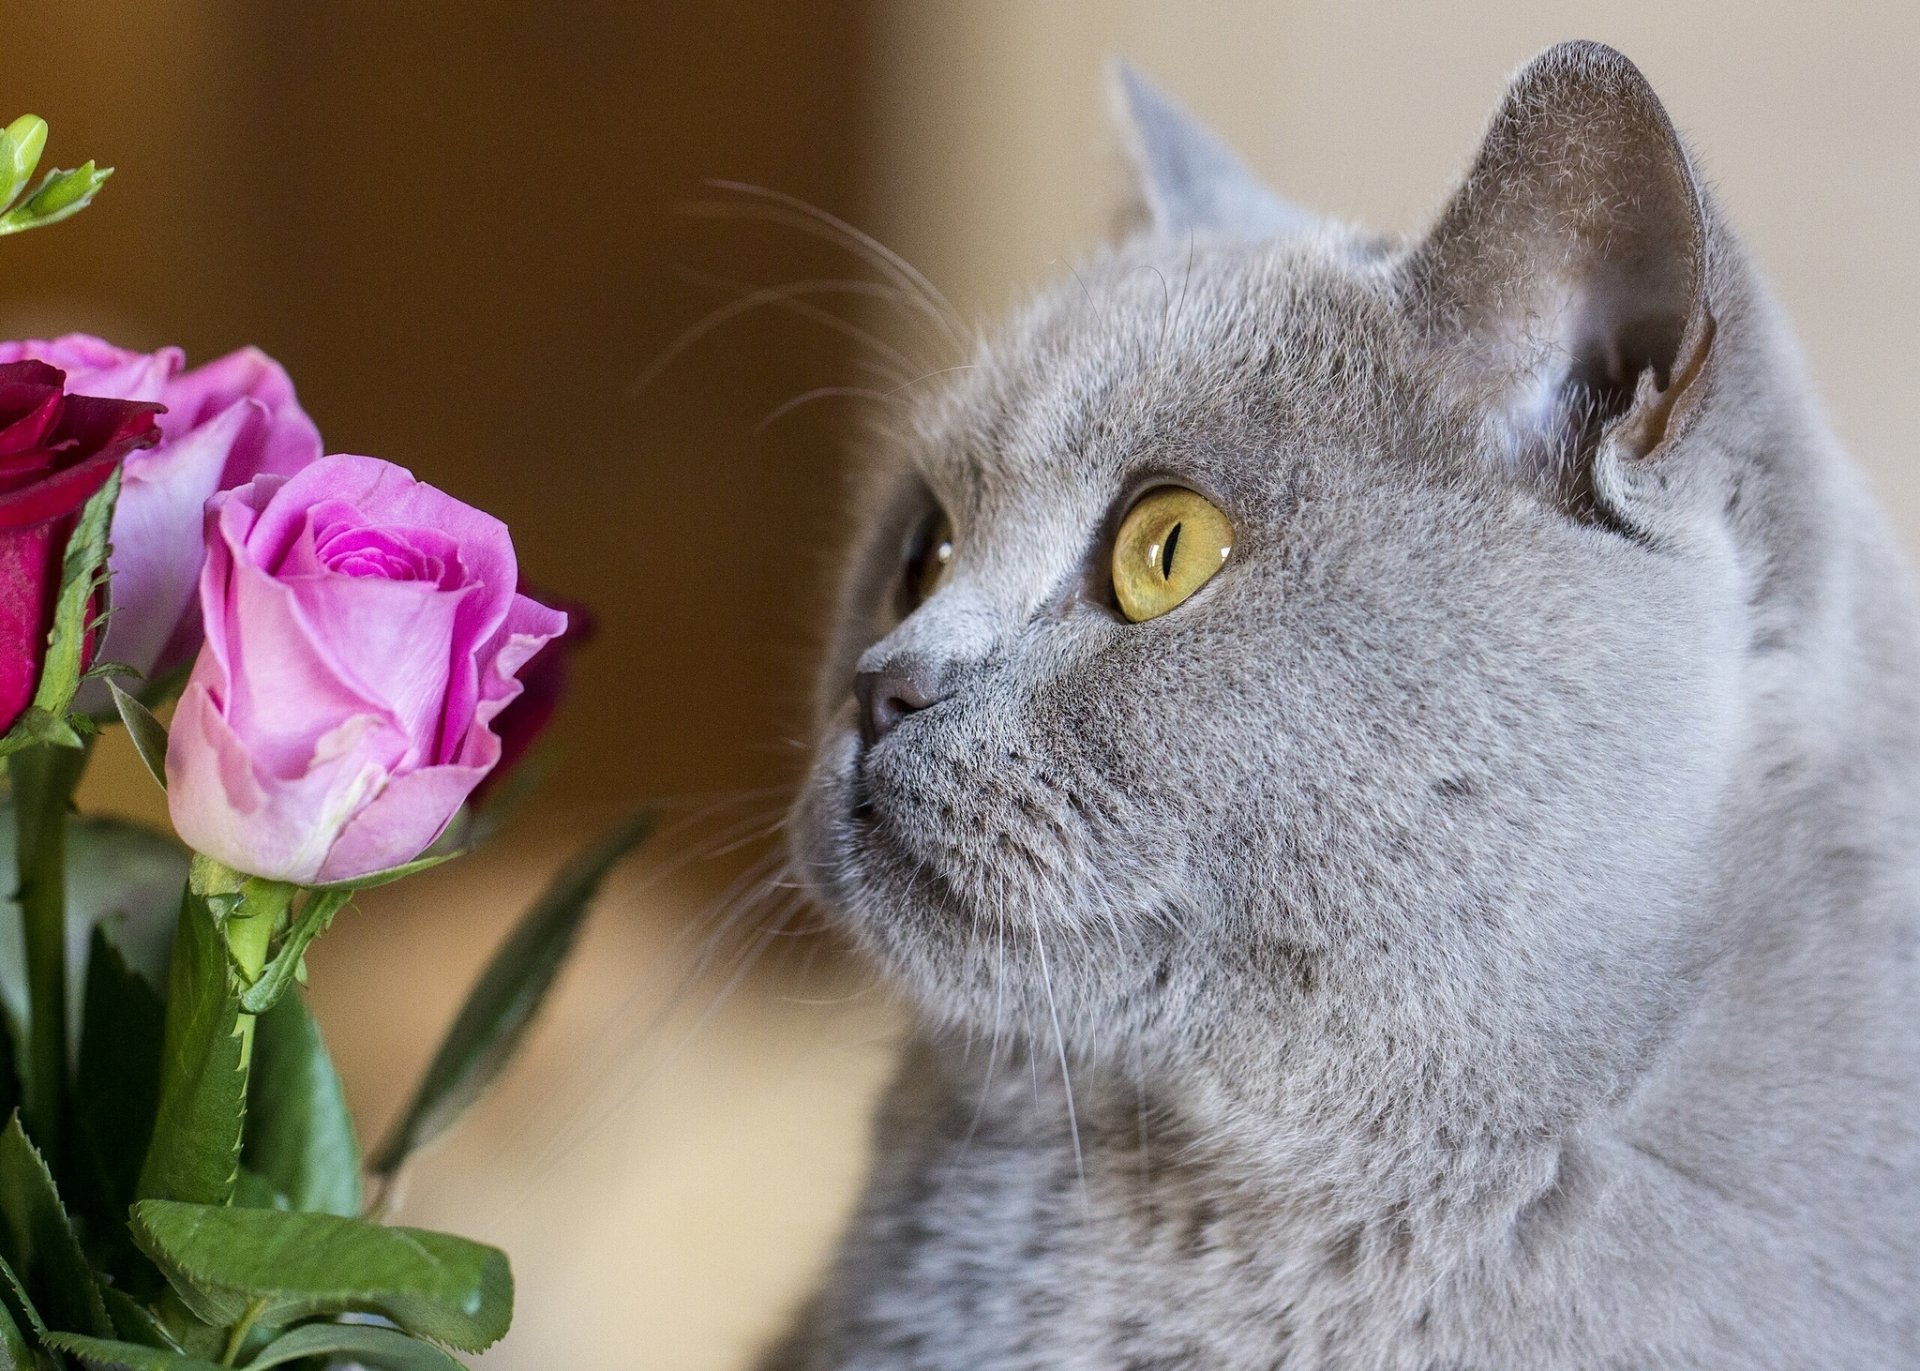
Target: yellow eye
[
  {"x": 928, "y": 557},
  {"x": 1169, "y": 545}
]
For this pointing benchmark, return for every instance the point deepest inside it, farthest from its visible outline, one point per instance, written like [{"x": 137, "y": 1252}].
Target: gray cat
[{"x": 1424, "y": 737}]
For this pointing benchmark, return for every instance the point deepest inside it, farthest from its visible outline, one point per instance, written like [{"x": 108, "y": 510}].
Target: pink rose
[
  {"x": 226, "y": 422},
  {"x": 362, "y": 632}
]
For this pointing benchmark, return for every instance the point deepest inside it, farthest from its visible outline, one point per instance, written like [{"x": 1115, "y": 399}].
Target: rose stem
[{"x": 44, "y": 777}]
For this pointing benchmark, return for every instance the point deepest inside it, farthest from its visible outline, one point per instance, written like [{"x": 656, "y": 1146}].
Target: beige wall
[{"x": 996, "y": 157}]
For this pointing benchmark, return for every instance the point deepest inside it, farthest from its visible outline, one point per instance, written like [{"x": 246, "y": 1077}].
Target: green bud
[
  {"x": 21, "y": 143},
  {"x": 63, "y": 190}
]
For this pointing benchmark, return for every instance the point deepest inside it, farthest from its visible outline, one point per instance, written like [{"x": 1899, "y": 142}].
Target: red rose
[{"x": 56, "y": 451}]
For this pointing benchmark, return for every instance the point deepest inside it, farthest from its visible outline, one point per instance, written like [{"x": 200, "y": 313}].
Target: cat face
[{"x": 1428, "y": 753}]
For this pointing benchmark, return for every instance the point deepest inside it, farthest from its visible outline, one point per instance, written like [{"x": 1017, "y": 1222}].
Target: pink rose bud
[
  {"x": 226, "y": 422},
  {"x": 362, "y": 632}
]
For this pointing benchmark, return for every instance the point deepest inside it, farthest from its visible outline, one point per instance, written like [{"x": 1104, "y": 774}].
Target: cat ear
[
  {"x": 1186, "y": 178},
  {"x": 1568, "y": 276}
]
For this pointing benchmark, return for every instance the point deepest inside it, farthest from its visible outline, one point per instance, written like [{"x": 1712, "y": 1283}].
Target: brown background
[
  {"x": 455, "y": 221},
  {"x": 456, "y": 224}
]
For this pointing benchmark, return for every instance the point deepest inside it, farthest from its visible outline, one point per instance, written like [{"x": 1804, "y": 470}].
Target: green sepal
[
  {"x": 148, "y": 734},
  {"x": 38, "y": 1241},
  {"x": 379, "y": 1349},
  {"x": 60, "y": 195},
  {"x": 300, "y": 1137},
  {"x": 21, "y": 144},
  {"x": 275, "y": 1269},
  {"x": 392, "y": 873},
  {"x": 116, "y": 1091},
  {"x": 501, "y": 1005},
  {"x": 82, "y": 575},
  {"x": 108, "y": 1354},
  {"x": 217, "y": 883},
  {"x": 315, "y": 916},
  {"x": 61, "y": 191},
  {"x": 195, "y": 1149}
]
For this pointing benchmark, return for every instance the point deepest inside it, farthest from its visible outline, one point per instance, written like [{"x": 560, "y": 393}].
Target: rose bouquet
[{"x": 355, "y": 664}]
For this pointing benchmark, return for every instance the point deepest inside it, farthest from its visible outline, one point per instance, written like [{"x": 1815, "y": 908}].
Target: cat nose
[{"x": 885, "y": 698}]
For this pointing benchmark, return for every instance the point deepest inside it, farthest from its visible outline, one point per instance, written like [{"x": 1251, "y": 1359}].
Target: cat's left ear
[
  {"x": 1186, "y": 179},
  {"x": 1567, "y": 280}
]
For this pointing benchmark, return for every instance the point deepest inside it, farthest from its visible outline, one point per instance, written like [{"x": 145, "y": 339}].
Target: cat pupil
[{"x": 1166, "y": 553}]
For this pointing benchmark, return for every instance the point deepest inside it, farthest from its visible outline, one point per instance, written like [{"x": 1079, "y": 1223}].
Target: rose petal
[
  {"x": 26, "y": 560},
  {"x": 96, "y": 367},
  {"x": 401, "y": 822},
  {"x": 281, "y": 441},
  {"x": 280, "y": 826},
  {"x": 157, "y": 548}
]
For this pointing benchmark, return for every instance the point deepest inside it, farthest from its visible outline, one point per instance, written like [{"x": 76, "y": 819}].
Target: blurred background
[{"x": 474, "y": 233}]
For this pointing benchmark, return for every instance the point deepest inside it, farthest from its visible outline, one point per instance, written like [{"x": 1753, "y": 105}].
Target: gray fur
[
  {"x": 1188, "y": 179},
  {"x": 1480, "y": 926}
]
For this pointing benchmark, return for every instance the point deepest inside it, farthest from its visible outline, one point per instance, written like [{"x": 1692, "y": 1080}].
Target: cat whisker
[
  {"x": 811, "y": 218},
  {"x": 782, "y": 298},
  {"x": 822, "y": 393},
  {"x": 779, "y": 297},
  {"x": 610, "y": 1039},
  {"x": 1066, "y": 1076},
  {"x": 564, "y": 1145}
]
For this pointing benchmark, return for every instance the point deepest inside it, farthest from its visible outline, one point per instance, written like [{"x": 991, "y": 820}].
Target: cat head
[{"x": 1301, "y": 657}]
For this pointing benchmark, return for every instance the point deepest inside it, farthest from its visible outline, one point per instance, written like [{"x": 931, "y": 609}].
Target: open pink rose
[
  {"x": 226, "y": 422},
  {"x": 362, "y": 631}
]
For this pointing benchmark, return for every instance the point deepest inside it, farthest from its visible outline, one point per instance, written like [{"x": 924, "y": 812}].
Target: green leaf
[
  {"x": 315, "y": 916},
  {"x": 148, "y": 734},
  {"x": 21, "y": 144},
  {"x": 133, "y": 1321},
  {"x": 13, "y": 1295},
  {"x": 231, "y": 1264},
  {"x": 15, "y": 1355},
  {"x": 195, "y": 1149},
  {"x": 381, "y": 1348},
  {"x": 498, "y": 1010},
  {"x": 251, "y": 1190},
  {"x": 9, "y": 1062},
  {"x": 299, "y": 1135},
  {"x": 116, "y": 1089},
  {"x": 38, "y": 1242},
  {"x": 104, "y": 1354}
]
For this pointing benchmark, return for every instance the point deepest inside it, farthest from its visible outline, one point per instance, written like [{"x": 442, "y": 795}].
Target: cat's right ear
[
  {"x": 1568, "y": 279},
  {"x": 1186, "y": 180}
]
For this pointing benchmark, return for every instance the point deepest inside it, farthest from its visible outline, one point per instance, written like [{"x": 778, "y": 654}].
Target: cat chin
[{"x": 972, "y": 960}]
